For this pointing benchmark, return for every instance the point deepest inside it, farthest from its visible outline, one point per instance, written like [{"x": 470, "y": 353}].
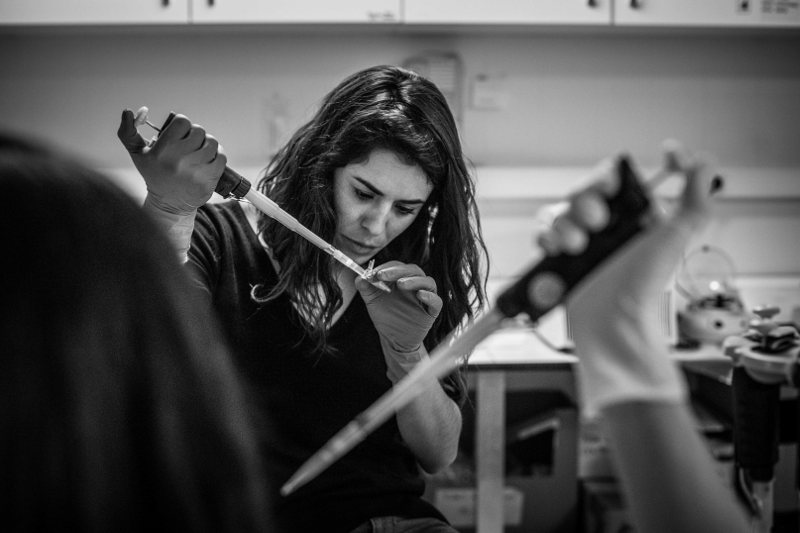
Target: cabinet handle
[
  {"x": 592, "y": 3},
  {"x": 635, "y": 4},
  {"x": 210, "y": 3},
  {"x": 165, "y": 3}
]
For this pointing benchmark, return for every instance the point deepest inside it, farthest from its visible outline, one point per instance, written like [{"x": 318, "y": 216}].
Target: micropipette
[{"x": 232, "y": 184}]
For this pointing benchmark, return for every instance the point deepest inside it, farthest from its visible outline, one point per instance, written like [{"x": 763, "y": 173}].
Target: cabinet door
[
  {"x": 723, "y": 13},
  {"x": 507, "y": 12},
  {"x": 93, "y": 11},
  {"x": 295, "y": 11}
]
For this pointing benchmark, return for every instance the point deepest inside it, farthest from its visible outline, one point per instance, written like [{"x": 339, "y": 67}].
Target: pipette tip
[
  {"x": 381, "y": 285},
  {"x": 290, "y": 486},
  {"x": 369, "y": 275}
]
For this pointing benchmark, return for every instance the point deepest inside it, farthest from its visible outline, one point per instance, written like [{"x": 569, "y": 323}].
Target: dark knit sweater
[{"x": 302, "y": 398}]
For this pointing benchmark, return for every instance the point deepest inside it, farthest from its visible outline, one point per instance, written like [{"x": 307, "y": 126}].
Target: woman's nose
[{"x": 375, "y": 219}]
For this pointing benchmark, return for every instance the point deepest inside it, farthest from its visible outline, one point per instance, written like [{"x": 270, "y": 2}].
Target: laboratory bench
[
  {"x": 527, "y": 461},
  {"x": 517, "y": 468}
]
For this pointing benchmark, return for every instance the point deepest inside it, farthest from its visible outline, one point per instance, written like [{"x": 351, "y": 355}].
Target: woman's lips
[{"x": 361, "y": 248}]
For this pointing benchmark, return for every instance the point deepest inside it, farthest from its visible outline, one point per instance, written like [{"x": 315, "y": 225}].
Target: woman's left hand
[{"x": 404, "y": 316}]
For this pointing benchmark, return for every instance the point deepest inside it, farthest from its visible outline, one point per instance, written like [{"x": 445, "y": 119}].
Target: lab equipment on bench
[
  {"x": 765, "y": 359},
  {"x": 232, "y": 185},
  {"x": 714, "y": 308}
]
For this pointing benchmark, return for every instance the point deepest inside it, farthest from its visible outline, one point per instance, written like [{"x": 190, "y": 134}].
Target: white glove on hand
[
  {"x": 180, "y": 169},
  {"x": 178, "y": 226},
  {"x": 614, "y": 311},
  {"x": 402, "y": 317}
]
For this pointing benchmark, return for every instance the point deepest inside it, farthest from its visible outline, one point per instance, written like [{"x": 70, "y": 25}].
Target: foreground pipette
[
  {"x": 542, "y": 288},
  {"x": 232, "y": 184}
]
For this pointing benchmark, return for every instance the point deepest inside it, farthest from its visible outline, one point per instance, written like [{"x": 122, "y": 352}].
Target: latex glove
[
  {"x": 614, "y": 312},
  {"x": 402, "y": 317},
  {"x": 181, "y": 168}
]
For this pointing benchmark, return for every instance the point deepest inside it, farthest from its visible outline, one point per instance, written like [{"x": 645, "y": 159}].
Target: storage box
[{"x": 543, "y": 499}]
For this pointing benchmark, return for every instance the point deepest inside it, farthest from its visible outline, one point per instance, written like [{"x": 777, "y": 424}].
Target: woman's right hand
[{"x": 181, "y": 168}]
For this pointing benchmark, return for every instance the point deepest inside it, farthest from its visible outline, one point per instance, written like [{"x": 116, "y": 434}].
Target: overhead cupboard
[
  {"x": 579, "y": 12},
  {"x": 767, "y": 13},
  {"x": 45, "y": 12},
  {"x": 199, "y": 11},
  {"x": 291, "y": 11},
  {"x": 713, "y": 13},
  {"x": 93, "y": 12},
  {"x": 721, "y": 13}
]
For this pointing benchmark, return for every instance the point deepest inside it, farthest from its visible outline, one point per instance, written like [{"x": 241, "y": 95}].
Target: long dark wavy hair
[{"x": 391, "y": 108}]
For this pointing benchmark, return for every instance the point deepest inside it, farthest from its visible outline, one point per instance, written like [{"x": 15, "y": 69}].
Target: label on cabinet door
[{"x": 776, "y": 10}]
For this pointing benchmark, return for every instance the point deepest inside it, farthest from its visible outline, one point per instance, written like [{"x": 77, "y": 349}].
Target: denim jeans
[{"x": 396, "y": 524}]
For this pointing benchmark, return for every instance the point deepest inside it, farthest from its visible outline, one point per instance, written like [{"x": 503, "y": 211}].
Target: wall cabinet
[
  {"x": 103, "y": 12},
  {"x": 291, "y": 11},
  {"x": 607, "y": 13},
  {"x": 24, "y": 12},
  {"x": 715, "y": 13},
  {"x": 508, "y": 12}
]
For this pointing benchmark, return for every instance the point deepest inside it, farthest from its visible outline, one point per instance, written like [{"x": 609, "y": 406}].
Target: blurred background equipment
[
  {"x": 714, "y": 309},
  {"x": 765, "y": 360}
]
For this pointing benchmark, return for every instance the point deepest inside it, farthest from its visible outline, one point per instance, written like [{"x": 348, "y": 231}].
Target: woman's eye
[
  {"x": 363, "y": 195},
  {"x": 405, "y": 210}
]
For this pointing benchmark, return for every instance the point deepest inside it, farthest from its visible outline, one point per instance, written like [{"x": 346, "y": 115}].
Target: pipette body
[{"x": 233, "y": 184}]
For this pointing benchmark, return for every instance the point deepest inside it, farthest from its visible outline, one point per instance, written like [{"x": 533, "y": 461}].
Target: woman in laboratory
[
  {"x": 378, "y": 172},
  {"x": 626, "y": 377}
]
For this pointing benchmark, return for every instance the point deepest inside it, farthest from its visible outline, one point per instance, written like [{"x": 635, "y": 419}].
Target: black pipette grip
[
  {"x": 231, "y": 183},
  {"x": 755, "y": 428},
  {"x": 549, "y": 281}
]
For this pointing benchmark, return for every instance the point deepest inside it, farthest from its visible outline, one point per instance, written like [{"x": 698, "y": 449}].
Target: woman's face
[{"x": 376, "y": 200}]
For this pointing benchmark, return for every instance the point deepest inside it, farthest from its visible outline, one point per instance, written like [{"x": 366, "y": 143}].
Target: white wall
[{"x": 572, "y": 98}]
